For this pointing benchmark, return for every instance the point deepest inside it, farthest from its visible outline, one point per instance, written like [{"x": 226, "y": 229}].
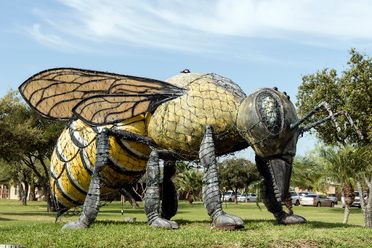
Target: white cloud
[
  {"x": 49, "y": 39},
  {"x": 45, "y": 38},
  {"x": 203, "y": 24}
]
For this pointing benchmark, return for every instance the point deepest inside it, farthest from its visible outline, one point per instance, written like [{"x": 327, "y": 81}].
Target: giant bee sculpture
[{"x": 120, "y": 126}]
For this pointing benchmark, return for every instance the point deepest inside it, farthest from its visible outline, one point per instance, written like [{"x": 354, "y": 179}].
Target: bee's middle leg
[
  {"x": 152, "y": 195},
  {"x": 91, "y": 203},
  {"x": 211, "y": 192},
  {"x": 169, "y": 203}
]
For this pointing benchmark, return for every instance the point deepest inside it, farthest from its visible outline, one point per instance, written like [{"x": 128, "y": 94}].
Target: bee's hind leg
[
  {"x": 211, "y": 192},
  {"x": 152, "y": 195},
  {"x": 91, "y": 203}
]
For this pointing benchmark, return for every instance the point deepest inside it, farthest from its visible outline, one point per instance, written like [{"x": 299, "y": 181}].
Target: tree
[
  {"x": 237, "y": 173},
  {"x": 307, "y": 173},
  {"x": 5, "y": 172},
  {"x": 356, "y": 85},
  {"x": 188, "y": 182},
  {"x": 340, "y": 164},
  {"x": 364, "y": 181},
  {"x": 26, "y": 142},
  {"x": 15, "y": 174},
  {"x": 350, "y": 91}
]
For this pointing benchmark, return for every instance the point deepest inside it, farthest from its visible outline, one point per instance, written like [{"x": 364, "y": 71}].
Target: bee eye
[
  {"x": 269, "y": 110},
  {"x": 263, "y": 121}
]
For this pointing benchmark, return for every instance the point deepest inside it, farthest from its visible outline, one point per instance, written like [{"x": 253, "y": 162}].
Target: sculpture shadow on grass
[
  {"x": 31, "y": 214},
  {"x": 119, "y": 222},
  {"x": 249, "y": 224},
  {"x": 5, "y": 219},
  {"x": 321, "y": 224},
  {"x": 257, "y": 224},
  {"x": 126, "y": 211},
  {"x": 130, "y": 211},
  {"x": 311, "y": 224}
]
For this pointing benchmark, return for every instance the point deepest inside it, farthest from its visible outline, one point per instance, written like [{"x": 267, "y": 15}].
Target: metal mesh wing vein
[
  {"x": 109, "y": 109},
  {"x": 54, "y": 93}
]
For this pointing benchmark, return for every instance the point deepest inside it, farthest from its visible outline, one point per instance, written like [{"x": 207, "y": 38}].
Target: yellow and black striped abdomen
[{"x": 74, "y": 156}]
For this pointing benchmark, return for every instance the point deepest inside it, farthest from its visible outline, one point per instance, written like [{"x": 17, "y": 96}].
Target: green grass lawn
[{"x": 31, "y": 226}]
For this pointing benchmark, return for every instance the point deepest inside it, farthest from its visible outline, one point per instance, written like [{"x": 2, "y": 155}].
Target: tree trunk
[
  {"x": 139, "y": 190},
  {"x": 51, "y": 207},
  {"x": 20, "y": 191},
  {"x": 44, "y": 178},
  {"x": 190, "y": 196},
  {"x": 24, "y": 193},
  {"x": 126, "y": 195},
  {"x": 32, "y": 192},
  {"x": 349, "y": 197},
  {"x": 346, "y": 214},
  {"x": 362, "y": 203},
  {"x": 368, "y": 207}
]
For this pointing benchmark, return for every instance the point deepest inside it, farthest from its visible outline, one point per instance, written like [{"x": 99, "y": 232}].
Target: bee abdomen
[{"x": 73, "y": 160}]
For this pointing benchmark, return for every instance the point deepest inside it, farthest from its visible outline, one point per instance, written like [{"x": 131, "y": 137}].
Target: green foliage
[
  {"x": 237, "y": 173},
  {"x": 24, "y": 131},
  {"x": 346, "y": 164},
  {"x": 363, "y": 161},
  {"x": 307, "y": 173},
  {"x": 351, "y": 91},
  {"x": 14, "y": 137},
  {"x": 30, "y": 226},
  {"x": 5, "y": 172},
  {"x": 356, "y": 85},
  {"x": 26, "y": 143},
  {"x": 331, "y": 164},
  {"x": 188, "y": 182},
  {"x": 341, "y": 164}
]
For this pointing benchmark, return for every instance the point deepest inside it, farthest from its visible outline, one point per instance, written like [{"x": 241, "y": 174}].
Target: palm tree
[
  {"x": 188, "y": 182},
  {"x": 341, "y": 164},
  {"x": 307, "y": 173},
  {"x": 364, "y": 181}
]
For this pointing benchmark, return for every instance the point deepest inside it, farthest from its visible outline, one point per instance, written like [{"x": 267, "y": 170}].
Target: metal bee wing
[{"x": 98, "y": 98}]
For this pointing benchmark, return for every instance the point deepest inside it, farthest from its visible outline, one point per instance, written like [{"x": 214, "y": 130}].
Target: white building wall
[{"x": 14, "y": 193}]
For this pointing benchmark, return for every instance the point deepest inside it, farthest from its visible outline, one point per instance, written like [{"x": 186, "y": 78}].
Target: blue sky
[{"x": 256, "y": 43}]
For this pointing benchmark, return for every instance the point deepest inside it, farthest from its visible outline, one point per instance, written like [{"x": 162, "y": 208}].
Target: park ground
[{"x": 32, "y": 226}]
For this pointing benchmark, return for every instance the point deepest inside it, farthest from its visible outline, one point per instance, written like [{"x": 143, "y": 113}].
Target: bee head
[{"x": 264, "y": 120}]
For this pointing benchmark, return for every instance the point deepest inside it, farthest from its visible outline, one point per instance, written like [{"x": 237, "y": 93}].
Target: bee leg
[
  {"x": 60, "y": 212},
  {"x": 169, "y": 202},
  {"x": 91, "y": 203},
  {"x": 211, "y": 192},
  {"x": 271, "y": 194},
  {"x": 152, "y": 194}
]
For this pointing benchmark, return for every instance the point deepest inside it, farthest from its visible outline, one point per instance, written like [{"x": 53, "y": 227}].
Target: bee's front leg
[
  {"x": 152, "y": 195},
  {"x": 275, "y": 189},
  {"x": 91, "y": 203},
  {"x": 211, "y": 192}
]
